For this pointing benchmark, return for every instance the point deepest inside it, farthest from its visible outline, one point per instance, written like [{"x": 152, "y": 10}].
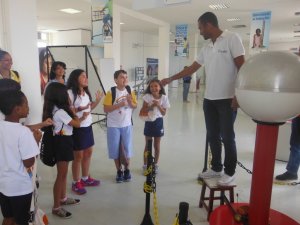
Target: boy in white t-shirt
[
  {"x": 18, "y": 150},
  {"x": 119, "y": 124}
]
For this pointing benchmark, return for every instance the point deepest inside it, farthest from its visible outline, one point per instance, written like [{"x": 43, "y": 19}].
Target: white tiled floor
[{"x": 182, "y": 156}]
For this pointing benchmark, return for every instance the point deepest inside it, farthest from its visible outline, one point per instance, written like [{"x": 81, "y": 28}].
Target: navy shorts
[
  {"x": 83, "y": 138},
  {"x": 63, "y": 148},
  {"x": 17, "y": 207},
  {"x": 155, "y": 128}
]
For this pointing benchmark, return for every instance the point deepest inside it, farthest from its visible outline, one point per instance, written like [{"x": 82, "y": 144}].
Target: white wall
[
  {"x": 20, "y": 40},
  {"x": 1, "y": 25},
  {"x": 135, "y": 48},
  {"x": 71, "y": 37}
]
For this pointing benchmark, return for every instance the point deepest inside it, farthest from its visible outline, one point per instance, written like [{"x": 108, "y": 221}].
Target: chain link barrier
[{"x": 250, "y": 172}]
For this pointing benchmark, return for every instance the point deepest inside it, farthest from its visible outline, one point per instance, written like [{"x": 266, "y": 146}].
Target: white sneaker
[
  {"x": 209, "y": 174},
  {"x": 226, "y": 180}
]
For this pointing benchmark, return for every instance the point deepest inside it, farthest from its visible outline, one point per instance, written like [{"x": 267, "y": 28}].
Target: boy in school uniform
[
  {"x": 119, "y": 106},
  {"x": 18, "y": 150}
]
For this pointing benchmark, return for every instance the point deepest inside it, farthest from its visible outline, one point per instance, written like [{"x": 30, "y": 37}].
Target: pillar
[{"x": 19, "y": 38}]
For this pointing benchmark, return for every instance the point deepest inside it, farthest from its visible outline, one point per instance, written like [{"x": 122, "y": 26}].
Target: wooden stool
[{"x": 213, "y": 186}]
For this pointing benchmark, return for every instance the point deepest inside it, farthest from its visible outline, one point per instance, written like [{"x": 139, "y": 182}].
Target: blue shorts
[
  {"x": 155, "y": 128},
  {"x": 83, "y": 138},
  {"x": 114, "y": 135}
]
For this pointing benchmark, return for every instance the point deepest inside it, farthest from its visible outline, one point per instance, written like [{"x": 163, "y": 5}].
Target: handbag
[
  {"x": 47, "y": 148},
  {"x": 47, "y": 153}
]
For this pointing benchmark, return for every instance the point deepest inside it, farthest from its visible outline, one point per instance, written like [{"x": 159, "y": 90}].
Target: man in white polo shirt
[{"x": 221, "y": 57}]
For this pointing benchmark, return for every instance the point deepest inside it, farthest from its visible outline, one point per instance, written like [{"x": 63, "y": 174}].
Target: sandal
[
  {"x": 70, "y": 201},
  {"x": 62, "y": 213}
]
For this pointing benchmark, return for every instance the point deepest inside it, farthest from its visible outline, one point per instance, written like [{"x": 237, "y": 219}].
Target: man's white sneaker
[
  {"x": 226, "y": 180},
  {"x": 209, "y": 174}
]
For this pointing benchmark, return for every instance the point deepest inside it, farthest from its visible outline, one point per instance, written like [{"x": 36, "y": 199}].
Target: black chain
[
  {"x": 243, "y": 167},
  {"x": 294, "y": 183},
  {"x": 276, "y": 182},
  {"x": 286, "y": 183}
]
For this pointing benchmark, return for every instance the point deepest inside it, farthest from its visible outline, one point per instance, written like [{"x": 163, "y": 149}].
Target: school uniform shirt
[
  {"x": 60, "y": 122},
  {"x": 16, "y": 144},
  {"x": 14, "y": 75},
  {"x": 120, "y": 117},
  {"x": 163, "y": 101},
  {"x": 82, "y": 101},
  {"x": 220, "y": 69}
]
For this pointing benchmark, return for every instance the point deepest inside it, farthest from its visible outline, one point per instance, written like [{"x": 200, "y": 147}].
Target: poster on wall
[
  {"x": 260, "y": 31},
  {"x": 181, "y": 41},
  {"x": 152, "y": 67},
  {"x": 102, "y": 22},
  {"x": 45, "y": 63}
]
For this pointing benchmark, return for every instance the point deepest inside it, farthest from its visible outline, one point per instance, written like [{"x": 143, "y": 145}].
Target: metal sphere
[{"x": 268, "y": 86}]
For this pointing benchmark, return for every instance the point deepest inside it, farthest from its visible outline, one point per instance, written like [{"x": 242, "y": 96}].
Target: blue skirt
[
  {"x": 154, "y": 128},
  {"x": 63, "y": 148},
  {"x": 83, "y": 138}
]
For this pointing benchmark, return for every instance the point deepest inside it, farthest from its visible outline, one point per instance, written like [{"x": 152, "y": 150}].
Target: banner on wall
[
  {"x": 152, "y": 67},
  {"x": 102, "y": 22},
  {"x": 260, "y": 30},
  {"x": 181, "y": 41}
]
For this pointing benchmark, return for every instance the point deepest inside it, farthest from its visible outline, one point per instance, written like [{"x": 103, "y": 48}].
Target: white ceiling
[{"x": 282, "y": 21}]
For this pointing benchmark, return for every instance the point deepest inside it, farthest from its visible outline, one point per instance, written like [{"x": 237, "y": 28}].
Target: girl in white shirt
[
  {"x": 81, "y": 101},
  {"x": 57, "y": 107},
  {"x": 155, "y": 104}
]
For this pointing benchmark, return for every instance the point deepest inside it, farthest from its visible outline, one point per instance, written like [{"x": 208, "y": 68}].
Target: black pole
[
  {"x": 183, "y": 213},
  {"x": 150, "y": 162}
]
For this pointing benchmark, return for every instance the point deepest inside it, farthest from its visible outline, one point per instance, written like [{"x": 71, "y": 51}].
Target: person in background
[
  {"x": 186, "y": 87},
  {"x": 83, "y": 137},
  {"x": 58, "y": 70},
  {"x": 257, "y": 39},
  {"x": 17, "y": 158},
  {"x": 119, "y": 124},
  {"x": 45, "y": 68},
  {"x": 6, "y": 63},
  {"x": 221, "y": 57},
  {"x": 292, "y": 166}
]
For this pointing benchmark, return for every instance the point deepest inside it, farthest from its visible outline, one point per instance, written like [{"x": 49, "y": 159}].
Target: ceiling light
[
  {"x": 218, "y": 6},
  {"x": 49, "y": 31},
  {"x": 170, "y": 2},
  {"x": 121, "y": 23},
  {"x": 233, "y": 19},
  {"x": 70, "y": 10}
]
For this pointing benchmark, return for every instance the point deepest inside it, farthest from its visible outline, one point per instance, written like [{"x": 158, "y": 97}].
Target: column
[
  {"x": 163, "y": 52},
  {"x": 19, "y": 32}
]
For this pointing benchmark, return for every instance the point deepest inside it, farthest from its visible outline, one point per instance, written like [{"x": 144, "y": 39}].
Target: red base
[{"x": 223, "y": 216}]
